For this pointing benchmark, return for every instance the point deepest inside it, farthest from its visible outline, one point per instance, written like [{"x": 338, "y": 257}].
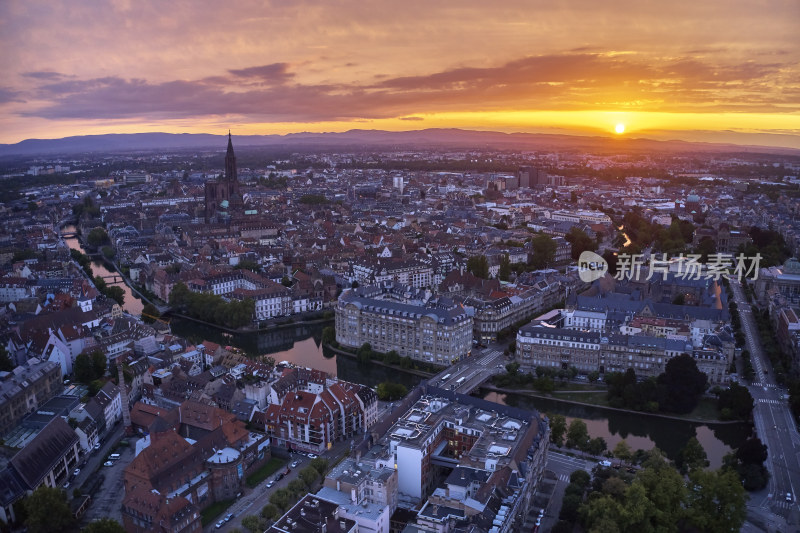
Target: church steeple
[{"x": 230, "y": 162}]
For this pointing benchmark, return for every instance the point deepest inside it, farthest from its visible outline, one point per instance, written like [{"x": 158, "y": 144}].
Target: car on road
[
  {"x": 312, "y": 456},
  {"x": 270, "y": 483},
  {"x": 76, "y": 472},
  {"x": 97, "y": 446},
  {"x": 539, "y": 521},
  {"x": 788, "y": 496},
  {"x": 220, "y": 524},
  {"x": 228, "y": 517},
  {"x": 108, "y": 463},
  {"x": 295, "y": 463}
]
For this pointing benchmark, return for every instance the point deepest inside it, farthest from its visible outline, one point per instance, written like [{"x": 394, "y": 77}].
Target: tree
[
  {"x": 683, "y": 384},
  {"x": 706, "y": 247},
  {"x": 752, "y": 451},
  {"x": 544, "y": 251},
  {"x": 48, "y": 511},
  {"x": 150, "y": 313},
  {"x": 737, "y": 399},
  {"x": 97, "y": 237},
  {"x": 389, "y": 391},
  {"x": 580, "y": 242},
  {"x": 558, "y": 426},
  {"x": 99, "y": 363},
  {"x": 577, "y": 434},
  {"x": 115, "y": 293},
  {"x": 83, "y": 368},
  {"x": 6, "y": 365},
  {"x": 593, "y": 376},
  {"x": 328, "y": 335},
  {"x": 108, "y": 252},
  {"x": 253, "y": 523},
  {"x": 280, "y": 498},
  {"x": 103, "y": 525},
  {"x": 505, "y": 268},
  {"x": 622, "y": 451},
  {"x": 297, "y": 487},
  {"x": 716, "y": 502},
  {"x": 479, "y": 266},
  {"x": 692, "y": 457},
  {"x": 320, "y": 464},
  {"x": 597, "y": 446},
  {"x": 309, "y": 476},
  {"x": 581, "y": 478},
  {"x": 270, "y": 511}
]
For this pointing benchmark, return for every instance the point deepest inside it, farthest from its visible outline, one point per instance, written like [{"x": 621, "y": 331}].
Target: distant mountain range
[{"x": 364, "y": 139}]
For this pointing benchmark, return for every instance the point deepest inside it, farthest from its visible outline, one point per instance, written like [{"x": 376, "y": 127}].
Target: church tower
[
  {"x": 222, "y": 198},
  {"x": 230, "y": 162}
]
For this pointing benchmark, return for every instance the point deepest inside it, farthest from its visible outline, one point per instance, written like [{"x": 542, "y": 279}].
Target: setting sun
[{"x": 619, "y": 128}]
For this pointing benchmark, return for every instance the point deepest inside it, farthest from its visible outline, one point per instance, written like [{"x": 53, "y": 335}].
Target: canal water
[
  {"x": 132, "y": 304},
  {"x": 640, "y": 432},
  {"x": 300, "y": 345}
]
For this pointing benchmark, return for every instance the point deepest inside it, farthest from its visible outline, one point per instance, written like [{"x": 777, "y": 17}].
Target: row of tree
[
  {"x": 656, "y": 498},
  {"x": 212, "y": 308},
  {"x": 677, "y": 390}
]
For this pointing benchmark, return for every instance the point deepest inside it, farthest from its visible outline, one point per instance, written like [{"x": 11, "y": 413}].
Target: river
[
  {"x": 132, "y": 304},
  {"x": 300, "y": 345},
  {"x": 640, "y": 431}
]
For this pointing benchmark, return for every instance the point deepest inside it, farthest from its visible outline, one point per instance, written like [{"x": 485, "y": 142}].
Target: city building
[
  {"x": 26, "y": 388},
  {"x": 390, "y": 316},
  {"x": 47, "y": 460},
  {"x": 460, "y": 459},
  {"x": 313, "y": 514}
]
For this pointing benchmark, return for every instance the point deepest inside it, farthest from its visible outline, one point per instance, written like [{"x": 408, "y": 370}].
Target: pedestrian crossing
[
  {"x": 768, "y": 385},
  {"x": 773, "y": 402},
  {"x": 782, "y": 504},
  {"x": 563, "y": 477}
]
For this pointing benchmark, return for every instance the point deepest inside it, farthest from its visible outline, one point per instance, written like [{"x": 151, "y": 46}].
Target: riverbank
[
  {"x": 244, "y": 330},
  {"x": 420, "y": 373},
  {"x": 534, "y": 394}
]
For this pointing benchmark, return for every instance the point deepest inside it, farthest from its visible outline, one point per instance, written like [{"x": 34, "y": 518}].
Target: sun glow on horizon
[{"x": 619, "y": 129}]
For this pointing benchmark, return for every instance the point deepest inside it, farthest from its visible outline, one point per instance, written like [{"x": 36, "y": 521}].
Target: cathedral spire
[{"x": 230, "y": 161}]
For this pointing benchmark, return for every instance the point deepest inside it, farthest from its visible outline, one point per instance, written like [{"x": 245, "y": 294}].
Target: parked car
[
  {"x": 108, "y": 463},
  {"x": 76, "y": 472},
  {"x": 97, "y": 446},
  {"x": 295, "y": 463},
  {"x": 220, "y": 524},
  {"x": 312, "y": 456},
  {"x": 228, "y": 517},
  {"x": 270, "y": 483},
  {"x": 788, "y": 496}
]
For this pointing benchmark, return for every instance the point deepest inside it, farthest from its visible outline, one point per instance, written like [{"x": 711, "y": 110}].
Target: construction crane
[{"x": 158, "y": 318}]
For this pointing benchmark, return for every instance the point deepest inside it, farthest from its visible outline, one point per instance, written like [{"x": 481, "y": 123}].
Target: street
[
  {"x": 775, "y": 427},
  {"x": 253, "y": 500}
]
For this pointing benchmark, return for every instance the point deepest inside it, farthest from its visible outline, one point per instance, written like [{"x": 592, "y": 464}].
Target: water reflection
[
  {"x": 131, "y": 304},
  {"x": 300, "y": 345},
  {"x": 641, "y": 432}
]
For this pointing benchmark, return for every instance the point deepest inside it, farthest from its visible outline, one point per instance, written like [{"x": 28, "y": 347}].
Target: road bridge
[{"x": 469, "y": 374}]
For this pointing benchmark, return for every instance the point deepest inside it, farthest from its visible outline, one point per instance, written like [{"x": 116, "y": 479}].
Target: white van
[{"x": 113, "y": 457}]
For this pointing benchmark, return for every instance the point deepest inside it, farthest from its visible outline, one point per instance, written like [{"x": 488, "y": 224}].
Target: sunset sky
[{"x": 694, "y": 70}]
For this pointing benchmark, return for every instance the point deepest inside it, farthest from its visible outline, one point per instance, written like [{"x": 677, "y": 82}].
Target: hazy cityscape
[{"x": 457, "y": 267}]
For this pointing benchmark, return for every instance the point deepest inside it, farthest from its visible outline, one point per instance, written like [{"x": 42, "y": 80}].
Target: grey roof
[
  {"x": 38, "y": 458},
  {"x": 443, "y": 310}
]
